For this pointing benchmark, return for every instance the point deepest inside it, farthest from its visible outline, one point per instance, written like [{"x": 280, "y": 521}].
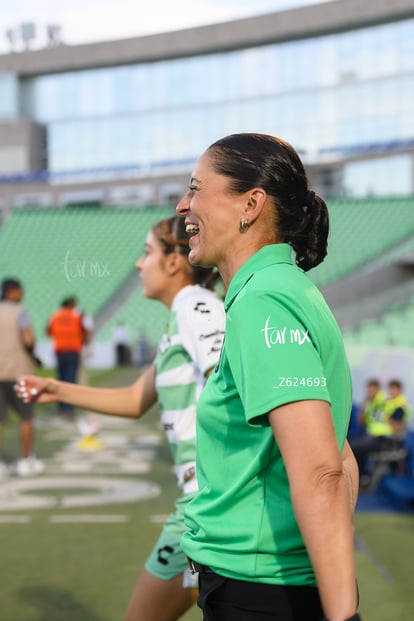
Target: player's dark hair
[
  {"x": 172, "y": 236},
  {"x": 69, "y": 302},
  {"x": 258, "y": 160},
  {"x": 8, "y": 284}
]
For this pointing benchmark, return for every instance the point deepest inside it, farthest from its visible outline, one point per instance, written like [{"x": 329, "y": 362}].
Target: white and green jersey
[{"x": 189, "y": 347}]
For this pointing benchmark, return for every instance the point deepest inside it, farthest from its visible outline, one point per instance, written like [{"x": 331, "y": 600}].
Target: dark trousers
[
  {"x": 123, "y": 357},
  {"x": 8, "y": 397},
  {"x": 224, "y": 599},
  {"x": 67, "y": 368}
]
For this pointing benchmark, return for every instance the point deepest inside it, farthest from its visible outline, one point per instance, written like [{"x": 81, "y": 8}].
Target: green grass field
[{"x": 53, "y": 569}]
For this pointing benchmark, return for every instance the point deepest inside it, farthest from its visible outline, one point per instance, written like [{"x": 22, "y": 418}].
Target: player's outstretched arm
[{"x": 131, "y": 401}]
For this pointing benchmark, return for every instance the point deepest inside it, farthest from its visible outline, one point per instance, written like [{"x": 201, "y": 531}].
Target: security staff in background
[{"x": 69, "y": 333}]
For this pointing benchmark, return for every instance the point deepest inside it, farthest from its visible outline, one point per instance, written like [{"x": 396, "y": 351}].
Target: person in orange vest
[{"x": 69, "y": 333}]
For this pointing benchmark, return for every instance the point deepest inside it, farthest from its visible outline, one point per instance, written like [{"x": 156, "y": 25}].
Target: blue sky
[{"x": 84, "y": 21}]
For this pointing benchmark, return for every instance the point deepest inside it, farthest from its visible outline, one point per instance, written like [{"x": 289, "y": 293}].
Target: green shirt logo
[{"x": 281, "y": 336}]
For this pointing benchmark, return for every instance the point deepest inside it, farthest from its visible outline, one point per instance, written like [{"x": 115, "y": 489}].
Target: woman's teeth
[{"x": 192, "y": 229}]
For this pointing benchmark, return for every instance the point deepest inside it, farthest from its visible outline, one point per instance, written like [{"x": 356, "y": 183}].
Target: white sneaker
[
  {"x": 23, "y": 467},
  {"x": 36, "y": 465},
  {"x": 28, "y": 466}
]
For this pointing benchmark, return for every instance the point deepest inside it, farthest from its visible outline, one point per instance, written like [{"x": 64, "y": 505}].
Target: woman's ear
[
  {"x": 256, "y": 200},
  {"x": 174, "y": 263}
]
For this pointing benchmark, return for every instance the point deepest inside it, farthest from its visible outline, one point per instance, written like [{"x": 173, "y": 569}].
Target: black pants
[
  {"x": 224, "y": 599},
  {"x": 67, "y": 368},
  {"x": 8, "y": 397}
]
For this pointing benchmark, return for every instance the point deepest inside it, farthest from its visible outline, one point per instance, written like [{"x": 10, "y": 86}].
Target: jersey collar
[
  {"x": 181, "y": 294},
  {"x": 266, "y": 256}
]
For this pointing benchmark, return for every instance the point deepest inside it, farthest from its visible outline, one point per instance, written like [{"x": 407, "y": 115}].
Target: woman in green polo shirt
[{"x": 270, "y": 530}]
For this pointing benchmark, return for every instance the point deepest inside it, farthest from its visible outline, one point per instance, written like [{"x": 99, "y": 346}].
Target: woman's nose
[{"x": 183, "y": 206}]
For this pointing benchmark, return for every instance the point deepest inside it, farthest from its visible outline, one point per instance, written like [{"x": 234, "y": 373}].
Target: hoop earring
[{"x": 243, "y": 226}]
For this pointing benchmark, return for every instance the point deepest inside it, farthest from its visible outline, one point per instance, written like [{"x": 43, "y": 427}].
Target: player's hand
[{"x": 33, "y": 389}]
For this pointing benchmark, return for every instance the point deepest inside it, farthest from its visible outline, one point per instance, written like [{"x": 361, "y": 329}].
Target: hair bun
[{"x": 310, "y": 198}]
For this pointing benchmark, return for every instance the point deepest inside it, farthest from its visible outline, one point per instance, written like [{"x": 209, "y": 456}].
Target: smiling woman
[{"x": 272, "y": 457}]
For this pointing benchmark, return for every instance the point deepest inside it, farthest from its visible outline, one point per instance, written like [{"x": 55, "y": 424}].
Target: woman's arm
[
  {"x": 320, "y": 495},
  {"x": 131, "y": 401},
  {"x": 350, "y": 468}
]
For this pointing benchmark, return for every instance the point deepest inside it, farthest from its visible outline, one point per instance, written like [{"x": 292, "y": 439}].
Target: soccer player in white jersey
[{"x": 189, "y": 349}]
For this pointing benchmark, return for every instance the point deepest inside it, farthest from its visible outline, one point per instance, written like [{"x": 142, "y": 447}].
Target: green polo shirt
[{"x": 282, "y": 344}]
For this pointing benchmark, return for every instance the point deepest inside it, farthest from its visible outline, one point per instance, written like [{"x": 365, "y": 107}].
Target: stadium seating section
[
  {"x": 395, "y": 327},
  {"x": 361, "y": 232},
  {"x": 91, "y": 252}
]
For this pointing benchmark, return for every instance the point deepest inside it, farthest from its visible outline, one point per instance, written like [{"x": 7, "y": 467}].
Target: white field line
[
  {"x": 15, "y": 519},
  {"x": 88, "y": 519}
]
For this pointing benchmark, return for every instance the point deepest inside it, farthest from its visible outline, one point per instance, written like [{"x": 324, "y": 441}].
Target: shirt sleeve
[
  {"x": 201, "y": 323},
  {"x": 24, "y": 320},
  {"x": 398, "y": 414},
  {"x": 273, "y": 355}
]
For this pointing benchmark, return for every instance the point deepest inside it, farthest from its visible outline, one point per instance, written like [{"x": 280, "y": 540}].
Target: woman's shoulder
[
  {"x": 287, "y": 287},
  {"x": 196, "y": 297},
  {"x": 198, "y": 305}
]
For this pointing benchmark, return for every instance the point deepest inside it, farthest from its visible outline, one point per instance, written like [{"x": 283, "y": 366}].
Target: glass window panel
[
  {"x": 120, "y": 91},
  {"x": 9, "y": 96},
  {"x": 325, "y": 65},
  {"x": 405, "y": 43},
  {"x": 381, "y": 177},
  {"x": 347, "y": 54},
  {"x": 241, "y": 74},
  {"x": 339, "y": 90}
]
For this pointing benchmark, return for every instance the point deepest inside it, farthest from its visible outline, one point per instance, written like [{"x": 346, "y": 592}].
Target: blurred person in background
[
  {"x": 385, "y": 417},
  {"x": 69, "y": 333},
  {"x": 188, "y": 351},
  {"x": 121, "y": 339},
  {"x": 373, "y": 406},
  {"x": 17, "y": 342},
  {"x": 396, "y": 409}
]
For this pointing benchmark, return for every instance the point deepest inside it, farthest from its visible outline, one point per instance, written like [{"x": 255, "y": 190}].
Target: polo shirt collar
[{"x": 266, "y": 256}]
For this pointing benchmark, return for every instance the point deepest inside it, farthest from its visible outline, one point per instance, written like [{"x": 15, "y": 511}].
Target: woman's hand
[{"x": 33, "y": 389}]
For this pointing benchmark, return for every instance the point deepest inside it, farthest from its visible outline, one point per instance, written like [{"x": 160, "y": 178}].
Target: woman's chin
[
  {"x": 194, "y": 254},
  {"x": 193, "y": 257}
]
